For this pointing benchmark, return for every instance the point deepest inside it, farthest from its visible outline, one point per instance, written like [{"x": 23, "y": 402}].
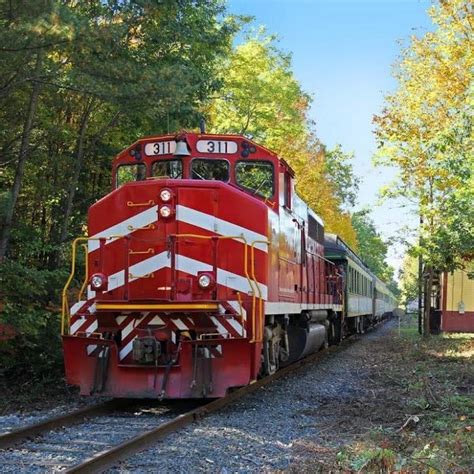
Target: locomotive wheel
[
  {"x": 335, "y": 329},
  {"x": 274, "y": 351}
]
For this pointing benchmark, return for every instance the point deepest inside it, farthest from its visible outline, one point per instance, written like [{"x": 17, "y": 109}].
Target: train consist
[
  {"x": 204, "y": 270},
  {"x": 366, "y": 298}
]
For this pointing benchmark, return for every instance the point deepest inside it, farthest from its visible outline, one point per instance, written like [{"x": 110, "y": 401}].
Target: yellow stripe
[{"x": 164, "y": 306}]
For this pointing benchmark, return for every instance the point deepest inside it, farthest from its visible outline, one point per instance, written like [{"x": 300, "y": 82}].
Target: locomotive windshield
[
  {"x": 167, "y": 168},
  {"x": 256, "y": 177},
  {"x": 127, "y": 173},
  {"x": 210, "y": 169}
]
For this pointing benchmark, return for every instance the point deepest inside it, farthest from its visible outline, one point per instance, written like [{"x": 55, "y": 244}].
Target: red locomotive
[{"x": 204, "y": 271}]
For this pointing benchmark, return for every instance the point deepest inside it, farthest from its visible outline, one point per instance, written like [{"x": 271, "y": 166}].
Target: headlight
[
  {"x": 204, "y": 281},
  {"x": 98, "y": 281},
  {"x": 165, "y": 211},
  {"x": 165, "y": 195}
]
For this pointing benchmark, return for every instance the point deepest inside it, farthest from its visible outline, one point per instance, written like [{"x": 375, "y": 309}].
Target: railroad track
[{"x": 146, "y": 433}]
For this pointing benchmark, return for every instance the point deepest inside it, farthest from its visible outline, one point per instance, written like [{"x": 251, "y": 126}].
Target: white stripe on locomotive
[
  {"x": 135, "y": 222},
  {"x": 185, "y": 265},
  {"x": 218, "y": 226}
]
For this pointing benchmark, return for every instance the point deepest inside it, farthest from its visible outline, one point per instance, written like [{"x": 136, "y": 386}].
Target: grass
[
  {"x": 420, "y": 417},
  {"x": 435, "y": 379}
]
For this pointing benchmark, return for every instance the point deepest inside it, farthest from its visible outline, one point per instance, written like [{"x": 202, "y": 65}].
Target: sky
[{"x": 342, "y": 54}]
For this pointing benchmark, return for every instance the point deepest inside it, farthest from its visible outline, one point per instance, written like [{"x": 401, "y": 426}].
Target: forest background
[{"x": 80, "y": 81}]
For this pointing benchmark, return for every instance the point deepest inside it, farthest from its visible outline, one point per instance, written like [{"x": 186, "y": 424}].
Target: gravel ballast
[
  {"x": 264, "y": 431},
  {"x": 269, "y": 429}
]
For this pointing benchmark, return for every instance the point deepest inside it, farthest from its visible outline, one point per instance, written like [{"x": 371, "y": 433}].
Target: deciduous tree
[
  {"x": 425, "y": 131},
  {"x": 261, "y": 98}
]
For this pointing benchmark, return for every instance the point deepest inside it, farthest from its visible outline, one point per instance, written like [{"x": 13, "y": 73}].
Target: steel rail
[
  {"x": 21, "y": 434},
  {"x": 109, "y": 457}
]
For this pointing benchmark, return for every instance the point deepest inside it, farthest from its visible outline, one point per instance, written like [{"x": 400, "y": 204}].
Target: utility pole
[
  {"x": 420, "y": 284},
  {"x": 420, "y": 294}
]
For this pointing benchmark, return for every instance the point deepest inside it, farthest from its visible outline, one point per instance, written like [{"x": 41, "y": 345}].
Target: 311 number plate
[
  {"x": 160, "y": 148},
  {"x": 216, "y": 146}
]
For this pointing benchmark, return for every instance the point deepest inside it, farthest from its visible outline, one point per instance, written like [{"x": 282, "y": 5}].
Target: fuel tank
[{"x": 305, "y": 340}]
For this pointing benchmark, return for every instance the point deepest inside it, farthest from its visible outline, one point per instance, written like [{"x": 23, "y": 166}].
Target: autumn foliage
[
  {"x": 262, "y": 99},
  {"x": 425, "y": 131}
]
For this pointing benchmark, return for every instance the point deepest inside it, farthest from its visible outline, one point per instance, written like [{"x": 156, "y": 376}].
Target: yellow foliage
[
  {"x": 262, "y": 98},
  {"x": 425, "y": 129}
]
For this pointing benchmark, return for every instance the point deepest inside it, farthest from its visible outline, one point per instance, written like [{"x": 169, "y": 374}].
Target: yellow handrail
[
  {"x": 138, "y": 204},
  {"x": 64, "y": 301},
  {"x": 86, "y": 271},
  {"x": 252, "y": 263}
]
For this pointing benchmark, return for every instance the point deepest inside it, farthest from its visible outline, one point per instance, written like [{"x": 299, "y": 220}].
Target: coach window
[
  {"x": 167, "y": 169},
  {"x": 256, "y": 177},
  {"x": 202, "y": 168},
  {"x": 127, "y": 173}
]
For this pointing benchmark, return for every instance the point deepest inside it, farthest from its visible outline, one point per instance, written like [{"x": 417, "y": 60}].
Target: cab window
[
  {"x": 210, "y": 169},
  {"x": 167, "y": 169},
  {"x": 287, "y": 190},
  {"x": 127, "y": 173},
  {"x": 256, "y": 177}
]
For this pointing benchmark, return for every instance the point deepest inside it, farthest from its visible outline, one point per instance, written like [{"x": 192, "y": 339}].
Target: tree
[
  {"x": 425, "y": 130},
  {"x": 409, "y": 279},
  {"x": 29, "y": 29},
  {"x": 320, "y": 190},
  {"x": 372, "y": 249},
  {"x": 340, "y": 172},
  {"x": 107, "y": 73},
  {"x": 261, "y": 98}
]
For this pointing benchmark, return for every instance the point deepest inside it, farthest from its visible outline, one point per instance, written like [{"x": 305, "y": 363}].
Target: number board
[
  {"x": 160, "y": 148},
  {"x": 216, "y": 146}
]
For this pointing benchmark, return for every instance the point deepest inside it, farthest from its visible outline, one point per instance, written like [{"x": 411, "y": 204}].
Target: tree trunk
[
  {"x": 420, "y": 295},
  {"x": 22, "y": 157},
  {"x": 67, "y": 207},
  {"x": 79, "y": 160}
]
